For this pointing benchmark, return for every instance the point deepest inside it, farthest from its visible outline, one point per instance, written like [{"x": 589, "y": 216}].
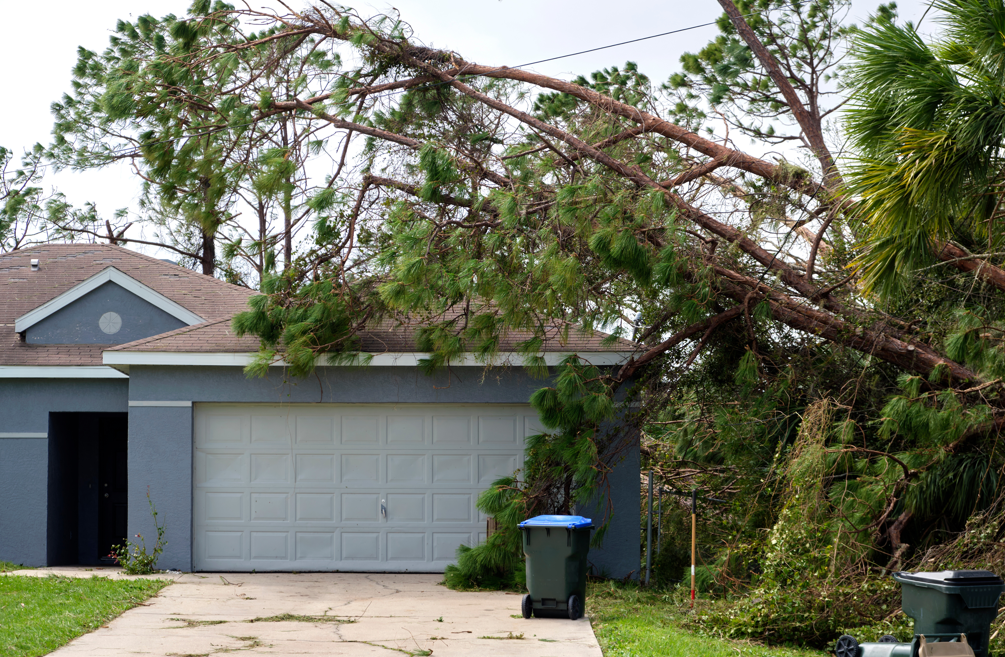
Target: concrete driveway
[{"x": 327, "y": 614}]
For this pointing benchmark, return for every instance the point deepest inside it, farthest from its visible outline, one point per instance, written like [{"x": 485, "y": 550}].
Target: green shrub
[
  {"x": 133, "y": 557},
  {"x": 672, "y": 561},
  {"x": 562, "y": 468},
  {"x": 671, "y": 564},
  {"x": 498, "y": 562},
  {"x": 813, "y": 615}
]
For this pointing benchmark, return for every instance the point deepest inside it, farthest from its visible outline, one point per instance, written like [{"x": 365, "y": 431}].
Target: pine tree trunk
[
  {"x": 287, "y": 230},
  {"x": 208, "y": 254},
  {"x": 287, "y": 211},
  {"x": 263, "y": 237}
]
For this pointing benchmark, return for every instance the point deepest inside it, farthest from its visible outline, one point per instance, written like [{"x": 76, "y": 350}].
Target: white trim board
[
  {"x": 161, "y": 404},
  {"x": 22, "y": 435},
  {"x": 106, "y": 275},
  {"x": 599, "y": 358},
  {"x": 60, "y": 372}
]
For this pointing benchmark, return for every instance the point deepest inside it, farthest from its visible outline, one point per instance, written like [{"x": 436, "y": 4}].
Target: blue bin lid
[{"x": 568, "y": 522}]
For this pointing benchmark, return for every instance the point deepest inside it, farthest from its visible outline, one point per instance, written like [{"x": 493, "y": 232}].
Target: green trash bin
[
  {"x": 952, "y": 602},
  {"x": 556, "y": 549}
]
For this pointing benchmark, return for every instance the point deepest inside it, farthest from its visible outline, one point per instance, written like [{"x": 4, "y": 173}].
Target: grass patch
[
  {"x": 299, "y": 618},
  {"x": 509, "y": 636},
  {"x": 194, "y": 623},
  {"x": 630, "y": 622},
  {"x": 40, "y": 614},
  {"x": 9, "y": 566}
]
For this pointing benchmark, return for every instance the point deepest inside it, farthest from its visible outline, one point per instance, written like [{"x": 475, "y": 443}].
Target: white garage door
[{"x": 346, "y": 487}]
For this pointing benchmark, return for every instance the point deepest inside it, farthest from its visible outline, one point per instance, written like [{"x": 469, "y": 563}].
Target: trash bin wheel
[
  {"x": 575, "y": 607},
  {"x": 888, "y": 638},
  {"x": 527, "y": 606},
  {"x": 847, "y": 646}
]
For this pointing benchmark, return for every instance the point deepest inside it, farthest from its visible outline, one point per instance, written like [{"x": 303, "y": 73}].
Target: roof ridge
[{"x": 136, "y": 254}]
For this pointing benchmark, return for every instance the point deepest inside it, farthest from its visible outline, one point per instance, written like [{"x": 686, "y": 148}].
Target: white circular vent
[{"x": 110, "y": 323}]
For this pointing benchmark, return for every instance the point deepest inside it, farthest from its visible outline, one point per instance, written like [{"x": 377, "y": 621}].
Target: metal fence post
[
  {"x": 649, "y": 532},
  {"x": 659, "y": 521},
  {"x": 694, "y": 537}
]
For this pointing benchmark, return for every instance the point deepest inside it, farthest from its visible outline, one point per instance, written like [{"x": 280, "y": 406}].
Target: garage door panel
[
  {"x": 223, "y": 507},
  {"x": 226, "y": 430},
  {"x": 271, "y": 430},
  {"x": 270, "y": 507},
  {"x": 301, "y": 487},
  {"x": 451, "y": 468},
  {"x": 270, "y": 546},
  {"x": 406, "y": 469},
  {"x": 406, "y": 546},
  {"x": 315, "y": 507},
  {"x": 532, "y": 426},
  {"x": 497, "y": 430},
  {"x": 452, "y": 507},
  {"x": 270, "y": 469},
  {"x": 224, "y": 545},
  {"x": 313, "y": 430},
  {"x": 316, "y": 546},
  {"x": 493, "y": 466},
  {"x": 360, "y": 546},
  {"x": 406, "y": 507},
  {"x": 316, "y": 469},
  {"x": 360, "y": 430},
  {"x": 406, "y": 430},
  {"x": 451, "y": 430},
  {"x": 361, "y": 469},
  {"x": 222, "y": 469},
  {"x": 445, "y": 544},
  {"x": 360, "y": 507}
]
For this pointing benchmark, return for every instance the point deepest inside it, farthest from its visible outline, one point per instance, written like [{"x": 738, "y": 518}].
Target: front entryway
[
  {"x": 87, "y": 488},
  {"x": 365, "y": 487}
]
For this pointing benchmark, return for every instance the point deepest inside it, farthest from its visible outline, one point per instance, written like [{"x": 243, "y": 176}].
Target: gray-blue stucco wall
[
  {"x": 161, "y": 441},
  {"x": 77, "y": 323},
  {"x": 25, "y": 405}
]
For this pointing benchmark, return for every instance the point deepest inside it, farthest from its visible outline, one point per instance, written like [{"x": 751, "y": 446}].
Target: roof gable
[
  {"x": 24, "y": 289},
  {"x": 107, "y": 275}
]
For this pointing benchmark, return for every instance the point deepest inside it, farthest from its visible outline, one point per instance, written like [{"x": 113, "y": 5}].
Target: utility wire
[
  {"x": 540, "y": 61},
  {"x": 615, "y": 45},
  {"x": 394, "y": 92}
]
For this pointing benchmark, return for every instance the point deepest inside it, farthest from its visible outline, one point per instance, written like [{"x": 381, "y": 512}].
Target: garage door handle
[{"x": 383, "y": 510}]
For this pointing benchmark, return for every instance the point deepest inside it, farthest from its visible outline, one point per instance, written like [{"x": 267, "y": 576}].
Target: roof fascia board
[
  {"x": 60, "y": 372},
  {"x": 106, "y": 275},
  {"x": 405, "y": 359}
]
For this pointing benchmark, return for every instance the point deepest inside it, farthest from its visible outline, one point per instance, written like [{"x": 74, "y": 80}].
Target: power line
[
  {"x": 540, "y": 61},
  {"x": 615, "y": 45},
  {"x": 394, "y": 92}
]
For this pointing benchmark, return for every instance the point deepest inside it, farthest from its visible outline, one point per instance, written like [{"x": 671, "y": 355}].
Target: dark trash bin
[
  {"x": 556, "y": 549},
  {"x": 952, "y": 602},
  {"x": 955, "y": 606}
]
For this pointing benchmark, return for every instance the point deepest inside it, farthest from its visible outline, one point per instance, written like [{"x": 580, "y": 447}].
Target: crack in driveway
[{"x": 292, "y": 614}]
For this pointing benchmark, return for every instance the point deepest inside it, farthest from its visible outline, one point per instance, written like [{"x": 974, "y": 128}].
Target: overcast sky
[{"x": 38, "y": 46}]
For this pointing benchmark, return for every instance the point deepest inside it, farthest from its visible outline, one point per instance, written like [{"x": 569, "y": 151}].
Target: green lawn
[
  {"x": 8, "y": 566},
  {"x": 633, "y": 623},
  {"x": 40, "y": 614}
]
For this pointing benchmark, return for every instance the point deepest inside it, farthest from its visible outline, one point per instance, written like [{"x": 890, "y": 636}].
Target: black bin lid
[{"x": 952, "y": 578}]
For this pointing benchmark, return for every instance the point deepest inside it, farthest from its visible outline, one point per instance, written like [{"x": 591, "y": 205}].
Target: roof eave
[{"x": 120, "y": 359}]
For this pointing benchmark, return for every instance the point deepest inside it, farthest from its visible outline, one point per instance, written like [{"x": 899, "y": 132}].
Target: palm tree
[{"x": 927, "y": 124}]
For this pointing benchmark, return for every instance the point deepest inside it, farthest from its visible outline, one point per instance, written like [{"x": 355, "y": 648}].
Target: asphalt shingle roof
[
  {"x": 388, "y": 337},
  {"x": 62, "y": 266}
]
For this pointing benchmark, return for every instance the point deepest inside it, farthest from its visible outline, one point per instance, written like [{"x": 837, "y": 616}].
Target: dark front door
[{"x": 112, "y": 484}]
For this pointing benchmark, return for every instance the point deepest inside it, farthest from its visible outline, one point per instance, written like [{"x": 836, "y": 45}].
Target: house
[{"x": 120, "y": 376}]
